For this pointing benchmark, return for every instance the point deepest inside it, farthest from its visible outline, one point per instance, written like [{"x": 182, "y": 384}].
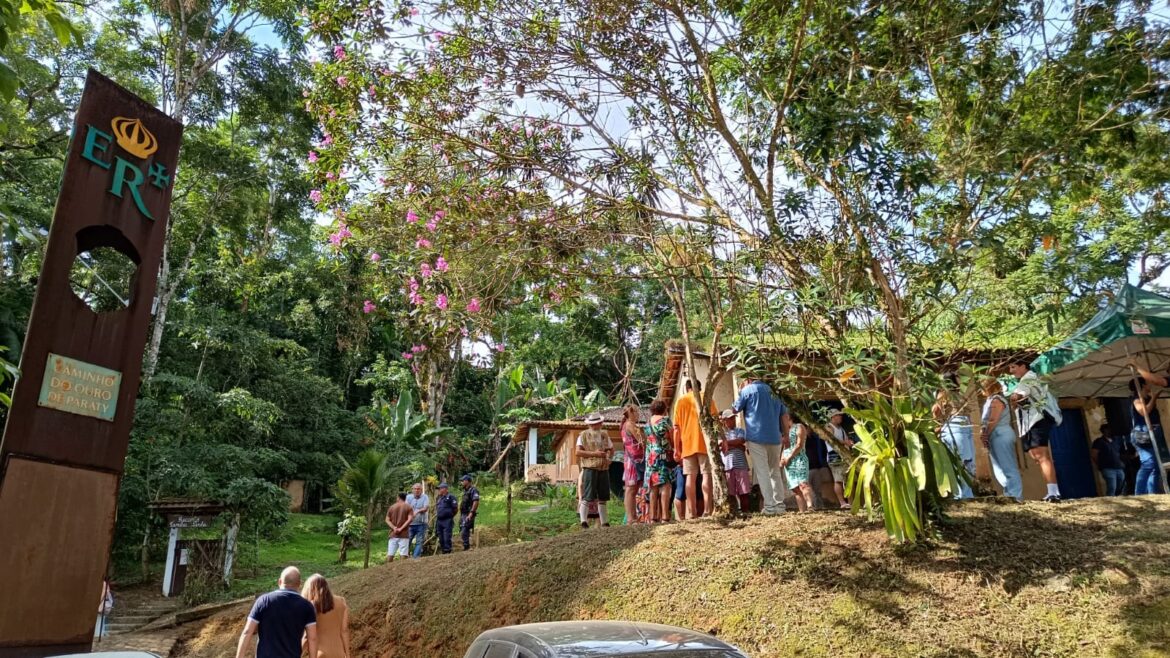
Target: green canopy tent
[{"x": 1094, "y": 361}]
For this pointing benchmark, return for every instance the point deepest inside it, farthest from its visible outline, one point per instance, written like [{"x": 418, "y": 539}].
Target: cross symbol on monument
[{"x": 158, "y": 176}]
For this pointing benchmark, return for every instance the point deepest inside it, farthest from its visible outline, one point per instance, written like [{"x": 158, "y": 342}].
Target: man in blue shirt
[
  {"x": 766, "y": 419},
  {"x": 446, "y": 507},
  {"x": 281, "y": 617}
]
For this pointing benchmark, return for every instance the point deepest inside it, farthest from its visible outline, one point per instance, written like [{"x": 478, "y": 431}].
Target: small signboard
[
  {"x": 1139, "y": 327},
  {"x": 188, "y": 521},
  {"x": 80, "y": 388}
]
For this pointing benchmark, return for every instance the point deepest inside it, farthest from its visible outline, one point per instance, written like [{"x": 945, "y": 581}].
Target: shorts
[
  {"x": 1037, "y": 435},
  {"x": 680, "y": 483},
  {"x": 839, "y": 470},
  {"x": 739, "y": 482},
  {"x": 397, "y": 546},
  {"x": 594, "y": 484},
  {"x": 697, "y": 463}
]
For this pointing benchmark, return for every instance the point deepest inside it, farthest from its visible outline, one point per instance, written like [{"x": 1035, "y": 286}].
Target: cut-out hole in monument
[{"x": 105, "y": 270}]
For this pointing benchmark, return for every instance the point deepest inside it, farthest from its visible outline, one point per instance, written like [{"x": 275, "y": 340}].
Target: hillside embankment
[{"x": 1083, "y": 578}]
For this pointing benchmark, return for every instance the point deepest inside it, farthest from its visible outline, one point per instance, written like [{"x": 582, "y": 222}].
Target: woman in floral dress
[
  {"x": 794, "y": 461},
  {"x": 659, "y": 475},
  {"x": 634, "y": 463}
]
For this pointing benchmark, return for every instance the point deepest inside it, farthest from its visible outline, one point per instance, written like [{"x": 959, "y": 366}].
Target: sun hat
[
  {"x": 727, "y": 413},
  {"x": 594, "y": 419},
  {"x": 443, "y": 485},
  {"x": 834, "y": 412}
]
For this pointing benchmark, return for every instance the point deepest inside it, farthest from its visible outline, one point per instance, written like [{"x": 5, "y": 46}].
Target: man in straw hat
[{"x": 593, "y": 452}]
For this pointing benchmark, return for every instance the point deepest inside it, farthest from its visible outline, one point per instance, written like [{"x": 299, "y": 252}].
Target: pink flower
[
  {"x": 423, "y": 243},
  {"x": 373, "y": 91},
  {"x": 425, "y": 270},
  {"x": 343, "y": 231},
  {"x": 330, "y": 176},
  {"x": 500, "y": 348},
  {"x": 312, "y": 156},
  {"x": 416, "y": 299},
  {"x": 335, "y": 239},
  {"x": 342, "y": 81},
  {"x": 441, "y": 302},
  {"x": 473, "y": 305},
  {"x": 439, "y": 214},
  {"x": 407, "y": 355},
  {"x": 339, "y": 52},
  {"x": 375, "y": 257},
  {"x": 368, "y": 307},
  {"x": 431, "y": 226},
  {"x": 441, "y": 264},
  {"x": 415, "y": 349},
  {"x": 414, "y": 11},
  {"x": 411, "y": 217},
  {"x": 413, "y": 284},
  {"x": 327, "y": 140},
  {"x": 315, "y": 196},
  {"x": 464, "y": 332},
  {"x": 408, "y": 189}
]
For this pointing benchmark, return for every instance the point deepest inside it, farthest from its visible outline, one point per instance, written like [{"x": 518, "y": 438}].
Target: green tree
[{"x": 366, "y": 486}]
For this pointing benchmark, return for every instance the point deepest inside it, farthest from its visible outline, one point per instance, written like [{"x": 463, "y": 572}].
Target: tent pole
[{"x": 1149, "y": 426}]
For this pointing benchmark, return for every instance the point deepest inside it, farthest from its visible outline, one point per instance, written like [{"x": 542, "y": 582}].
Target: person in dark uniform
[
  {"x": 446, "y": 507},
  {"x": 467, "y": 509}
]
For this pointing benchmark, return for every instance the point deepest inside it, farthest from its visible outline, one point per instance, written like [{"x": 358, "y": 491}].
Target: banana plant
[
  {"x": 401, "y": 428},
  {"x": 901, "y": 466}
]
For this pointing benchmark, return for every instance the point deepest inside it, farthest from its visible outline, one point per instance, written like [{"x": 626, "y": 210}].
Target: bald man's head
[{"x": 290, "y": 578}]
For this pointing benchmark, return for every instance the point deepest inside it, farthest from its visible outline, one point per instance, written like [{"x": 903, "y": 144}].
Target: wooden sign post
[{"x": 63, "y": 449}]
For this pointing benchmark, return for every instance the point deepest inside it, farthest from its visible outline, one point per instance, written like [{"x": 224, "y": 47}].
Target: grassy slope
[
  {"x": 1080, "y": 579},
  {"x": 310, "y": 540}
]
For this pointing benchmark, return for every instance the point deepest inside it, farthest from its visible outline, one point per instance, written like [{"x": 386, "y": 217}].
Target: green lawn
[{"x": 310, "y": 541}]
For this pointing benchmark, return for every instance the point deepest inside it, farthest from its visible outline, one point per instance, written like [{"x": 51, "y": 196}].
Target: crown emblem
[{"x": 134, "y": 137}]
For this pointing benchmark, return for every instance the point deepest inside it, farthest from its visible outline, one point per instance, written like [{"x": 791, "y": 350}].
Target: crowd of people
[{"x": 666, "y": 471}]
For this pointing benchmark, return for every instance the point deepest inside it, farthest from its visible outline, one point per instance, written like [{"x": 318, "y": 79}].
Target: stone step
[{"x": 132, "y": 619}]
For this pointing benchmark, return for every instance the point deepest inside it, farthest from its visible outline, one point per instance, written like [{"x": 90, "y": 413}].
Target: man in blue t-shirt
[
  {"x": 281, "y": 617},
  {"x": 766, "y": 420}
]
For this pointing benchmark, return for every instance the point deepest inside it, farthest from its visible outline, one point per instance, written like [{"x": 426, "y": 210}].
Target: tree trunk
[
  {"x": 368, "y": 539},
  {"x": 508, "y": 488},
  {"x": 150, "y": 361},
  {"x": 144, "y": 555}
]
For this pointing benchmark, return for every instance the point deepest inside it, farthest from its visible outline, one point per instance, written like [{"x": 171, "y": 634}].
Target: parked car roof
[{"x": 577, "y": 639}]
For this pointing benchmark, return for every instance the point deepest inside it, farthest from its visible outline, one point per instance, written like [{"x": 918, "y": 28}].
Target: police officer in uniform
[
  {"x": 467, "y": 509},
  {"x": 446, "y": 507}
]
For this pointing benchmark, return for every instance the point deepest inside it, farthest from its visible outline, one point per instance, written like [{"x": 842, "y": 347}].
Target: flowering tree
[{"x": 853, "y": 167}]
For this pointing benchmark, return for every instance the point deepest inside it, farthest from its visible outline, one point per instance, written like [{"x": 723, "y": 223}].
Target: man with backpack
[{"x": 1037, "y": 413}]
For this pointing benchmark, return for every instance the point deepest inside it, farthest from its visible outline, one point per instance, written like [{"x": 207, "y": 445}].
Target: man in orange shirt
[{"x": 693, "y": 448}]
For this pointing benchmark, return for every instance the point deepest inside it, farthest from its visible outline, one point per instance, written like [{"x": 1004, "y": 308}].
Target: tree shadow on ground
[{"x": 1119, "y": 547}]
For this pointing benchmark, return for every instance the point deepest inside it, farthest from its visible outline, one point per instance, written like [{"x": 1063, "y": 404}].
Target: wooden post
[{"x": 508, "y": 490}]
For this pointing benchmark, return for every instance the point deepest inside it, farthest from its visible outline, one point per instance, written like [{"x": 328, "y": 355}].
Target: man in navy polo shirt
[{"x": 281, "y": 617}]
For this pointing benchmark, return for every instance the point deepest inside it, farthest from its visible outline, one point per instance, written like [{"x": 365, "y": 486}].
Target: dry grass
[{"x": 1085, "y": 578}]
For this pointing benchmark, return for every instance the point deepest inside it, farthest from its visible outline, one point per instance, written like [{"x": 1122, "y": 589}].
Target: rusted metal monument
[{"x": 63, "y": 448}]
